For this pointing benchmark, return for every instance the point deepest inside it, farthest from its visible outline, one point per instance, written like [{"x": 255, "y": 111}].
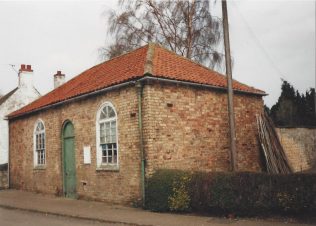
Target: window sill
[
  {"x": 108, "y": 168},
  {"x": 39, "y": 167}
]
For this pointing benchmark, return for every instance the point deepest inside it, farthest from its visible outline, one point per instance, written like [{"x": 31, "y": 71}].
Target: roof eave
[
  {"x": 14, "y": 116},
  {"x": 146, "y": 76},
  {"x": 151, "y": 77},
  {"x": 4, "y": 98}
]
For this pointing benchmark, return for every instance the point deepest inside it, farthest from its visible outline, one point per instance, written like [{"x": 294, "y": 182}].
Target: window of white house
[
  {"x": 39, "y": 144},
  {"x": 107, "y": 154}
]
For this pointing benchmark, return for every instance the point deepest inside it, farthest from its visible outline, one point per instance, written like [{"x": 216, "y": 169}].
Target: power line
[
  {"x": 257, "y": 41},
  {"x": 13, "y": 68}
]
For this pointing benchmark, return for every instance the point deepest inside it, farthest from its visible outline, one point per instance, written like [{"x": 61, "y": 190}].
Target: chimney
[
  {"x": 25, "y": 76},
  {"x": 59, "y": 79}
]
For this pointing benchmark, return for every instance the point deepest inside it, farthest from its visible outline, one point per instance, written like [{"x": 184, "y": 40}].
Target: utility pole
[{"x": 233, "y": 155}]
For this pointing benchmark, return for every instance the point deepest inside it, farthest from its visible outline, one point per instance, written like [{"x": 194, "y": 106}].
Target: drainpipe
[{"x": 139, "y": 87}]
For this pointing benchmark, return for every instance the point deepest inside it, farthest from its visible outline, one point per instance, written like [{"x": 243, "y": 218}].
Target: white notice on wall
[{"x": 86, "y": 155}]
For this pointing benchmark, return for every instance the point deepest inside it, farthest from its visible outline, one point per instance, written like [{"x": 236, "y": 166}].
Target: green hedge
[{"x": 240, "y": 193}]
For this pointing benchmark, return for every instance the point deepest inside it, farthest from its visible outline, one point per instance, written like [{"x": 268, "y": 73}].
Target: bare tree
[{"x": 183, "y": 26}]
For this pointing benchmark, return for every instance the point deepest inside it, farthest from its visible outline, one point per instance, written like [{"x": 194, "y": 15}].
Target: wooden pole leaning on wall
[{"x": 233, "y": 155}]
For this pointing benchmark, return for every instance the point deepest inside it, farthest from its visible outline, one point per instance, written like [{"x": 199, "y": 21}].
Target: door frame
[{"x": 66, "y": 122}]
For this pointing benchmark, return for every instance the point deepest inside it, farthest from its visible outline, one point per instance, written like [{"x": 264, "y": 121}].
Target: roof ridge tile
[{"x": 148, "y": 67}]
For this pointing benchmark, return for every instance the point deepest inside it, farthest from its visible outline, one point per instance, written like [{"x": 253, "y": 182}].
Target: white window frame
[
  {"x": 100, "y": 164},
  {"x": 35, "y": 132}
]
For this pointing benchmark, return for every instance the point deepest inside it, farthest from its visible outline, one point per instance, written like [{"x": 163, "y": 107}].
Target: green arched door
[{"x": 69, "y": 160}]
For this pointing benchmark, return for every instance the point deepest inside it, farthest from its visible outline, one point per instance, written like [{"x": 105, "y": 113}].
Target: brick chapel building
[{"x": 100, "y": 134}]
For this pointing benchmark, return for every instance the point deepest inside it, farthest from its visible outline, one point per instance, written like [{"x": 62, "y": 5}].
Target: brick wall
[
  {"x": 300, "y": 147},
  {"x": 184, "y": 127},
  {"x": 121, "y": 186},
  {"x": 187, "y": 128}
]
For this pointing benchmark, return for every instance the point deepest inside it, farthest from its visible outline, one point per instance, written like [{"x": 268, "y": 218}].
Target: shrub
[
  {"x": 240, "y": 193},
  {"x": 179, "y": 200},
  {"x": 160, "y": 188}
]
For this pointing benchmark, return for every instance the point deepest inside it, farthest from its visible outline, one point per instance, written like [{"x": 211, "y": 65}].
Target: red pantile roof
[{"x": 150, "y": 59}]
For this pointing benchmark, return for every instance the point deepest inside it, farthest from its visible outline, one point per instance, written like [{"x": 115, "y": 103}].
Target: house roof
[
  {"x": 149, "y": 60},
  {"x": 7, "y": 96}
]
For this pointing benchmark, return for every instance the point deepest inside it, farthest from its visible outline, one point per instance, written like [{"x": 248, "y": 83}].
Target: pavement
[
  {"x": 10, "y": 217},
  {"x": 114, "y": 214}
]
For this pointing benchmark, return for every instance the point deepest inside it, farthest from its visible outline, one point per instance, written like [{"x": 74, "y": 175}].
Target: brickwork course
[{"x": 184, "y": 125}]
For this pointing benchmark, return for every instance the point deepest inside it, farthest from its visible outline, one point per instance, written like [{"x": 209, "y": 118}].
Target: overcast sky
[{"x": 270, "y": 40}]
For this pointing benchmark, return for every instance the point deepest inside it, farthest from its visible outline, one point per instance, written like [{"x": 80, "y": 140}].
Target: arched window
[
  {"x": 39, "y": 144},
  {"x": 107, "y": 148}
]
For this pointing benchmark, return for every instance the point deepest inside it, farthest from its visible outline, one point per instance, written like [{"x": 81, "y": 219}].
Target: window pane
[
  {"x": 102, "y": 115},
  {"x": 38, "y": 127},
  {"x": 104, "y": 153},
  {"x": 102, "y": 133},
  {"x": 105, "y": 110},
  {"x": 113, "y": 132},
  {"x": 110, "y": 153},
  {"x": 102, "y": 126},
  {"x": 39, "y": 141},
  {"x": 107, "y": 132},
  {"x": 107, "y": 125},
  {"x": 111, "y": 113},
  {"x": 36, "y": 142},
  {"x": 115, "y": 155},
  {"x": 38, "y": 157},
  {"x": 43, "y": 141}
]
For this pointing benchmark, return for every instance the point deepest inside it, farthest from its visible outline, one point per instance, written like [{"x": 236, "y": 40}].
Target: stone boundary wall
[
  {"x": 3, "y": 176},
  {"x": 300, "y": 147}
]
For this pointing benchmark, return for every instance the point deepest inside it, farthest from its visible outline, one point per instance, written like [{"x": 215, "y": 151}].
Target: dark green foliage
[
  {"x": 4, "y": 167},
  {"x": 246, "y": 194},
  {"x": 294, "y": 109}
]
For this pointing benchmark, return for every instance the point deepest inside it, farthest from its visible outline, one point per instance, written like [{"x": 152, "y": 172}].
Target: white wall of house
[{"x": 25, "y": 94}]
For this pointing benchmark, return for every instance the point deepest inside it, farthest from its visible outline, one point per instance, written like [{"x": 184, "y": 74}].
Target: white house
[{"x": 22, "y": 95}]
